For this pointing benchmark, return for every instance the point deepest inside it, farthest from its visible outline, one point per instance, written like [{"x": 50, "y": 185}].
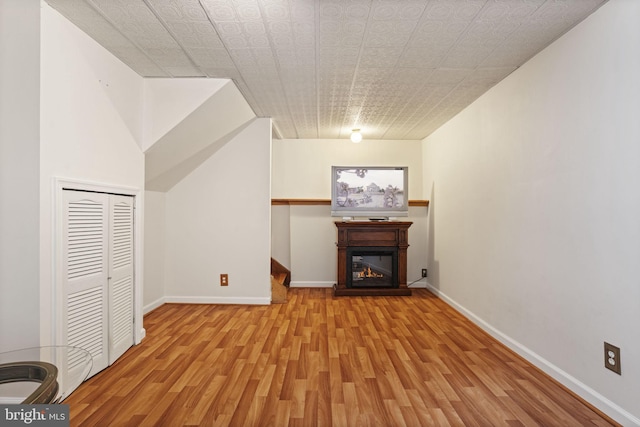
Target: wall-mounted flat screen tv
[{"x": 369, "y": 191}]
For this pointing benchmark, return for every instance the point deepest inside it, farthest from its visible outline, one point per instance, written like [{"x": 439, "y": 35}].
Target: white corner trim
[
  {"x": 309, "y": 284},
  {"x": 218, "y": 300},
  {"x": 587, "y": 393}
]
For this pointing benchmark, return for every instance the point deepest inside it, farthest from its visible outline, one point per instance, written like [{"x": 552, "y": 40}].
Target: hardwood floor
[{"x": 322, "y": 360}]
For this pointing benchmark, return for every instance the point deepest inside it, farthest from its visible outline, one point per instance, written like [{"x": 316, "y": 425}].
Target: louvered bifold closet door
[
  {"x": 120, "y": 276},
  {"x": 85, "y": 270}
]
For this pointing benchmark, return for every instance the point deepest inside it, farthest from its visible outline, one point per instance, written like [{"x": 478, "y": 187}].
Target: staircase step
[
  {"x": 280, "y": 279},
  {"x": 278, "y": 292},
  {"x": 278, "y": 269}
]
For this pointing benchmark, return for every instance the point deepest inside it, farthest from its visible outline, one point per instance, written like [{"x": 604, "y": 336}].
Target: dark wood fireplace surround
[{"x": 364, "y": 234}]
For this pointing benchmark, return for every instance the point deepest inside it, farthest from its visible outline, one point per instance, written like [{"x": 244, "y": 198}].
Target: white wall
[
  {"x": 154, "y": 249},
  {"x": 281, "y": 234},
  {"x": 19, "y": 174},
  {"x": 534, "y": 224},
  {"x": 218, "y": 221},
  {"x": 200, "y": 129},
  {"x": 304, "y": 237},
  {"x": 91, "y": 123},
  {"x": 313, "y": 256},
  {"x": 302, "y": 167}
]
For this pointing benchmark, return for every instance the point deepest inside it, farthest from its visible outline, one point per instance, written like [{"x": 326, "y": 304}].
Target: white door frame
[{"x": 57, "y": 292}]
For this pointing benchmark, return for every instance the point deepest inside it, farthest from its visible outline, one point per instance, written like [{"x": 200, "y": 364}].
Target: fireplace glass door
[{"x": 372, "y": 267}]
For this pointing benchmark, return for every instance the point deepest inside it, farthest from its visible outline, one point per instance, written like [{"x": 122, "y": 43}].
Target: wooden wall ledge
[{"x": 298, "y": 202}]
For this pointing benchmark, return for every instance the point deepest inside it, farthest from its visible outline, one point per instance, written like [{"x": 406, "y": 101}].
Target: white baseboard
[
  {"x": 198, "y": 300},
  {"x": 150, "y": 307},
  {"x": 587, "y": 393},
  {"x": 218, "y": 300},
  {"x": 309, "y": 284},
  {"x": 204, "y": 300}
]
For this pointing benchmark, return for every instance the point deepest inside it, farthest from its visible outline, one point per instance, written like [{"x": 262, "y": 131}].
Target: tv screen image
[{"x": 369, "y": 191}]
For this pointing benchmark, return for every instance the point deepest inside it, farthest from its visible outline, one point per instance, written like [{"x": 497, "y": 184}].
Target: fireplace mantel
[{"x": 370, "y": 234}]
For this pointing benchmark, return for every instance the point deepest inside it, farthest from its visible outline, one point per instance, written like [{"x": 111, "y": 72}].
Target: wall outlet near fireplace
[
  {"x": 424, "y": 272},
  {"x": 224, "y": 280},
  {"x": 612, "y": 358}
]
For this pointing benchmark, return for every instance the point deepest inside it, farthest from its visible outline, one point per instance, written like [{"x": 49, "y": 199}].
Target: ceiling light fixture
[{"x": 356, "y": 136}]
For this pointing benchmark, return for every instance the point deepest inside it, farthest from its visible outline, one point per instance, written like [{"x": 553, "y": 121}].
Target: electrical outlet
[
  {"x": 224, "y": 280},
  {"x": 424, "y": 272},
  {"x": 612, "y": 358}
]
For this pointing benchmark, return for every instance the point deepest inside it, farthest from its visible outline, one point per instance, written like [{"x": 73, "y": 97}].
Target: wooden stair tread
[
  {"x": 278, "y": 292},
  {"x": 280, "y": 279},
  {"x": 278, "y": 270}
]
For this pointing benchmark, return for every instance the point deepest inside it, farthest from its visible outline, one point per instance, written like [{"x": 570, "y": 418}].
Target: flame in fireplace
[{"x": 368, "y": 273}]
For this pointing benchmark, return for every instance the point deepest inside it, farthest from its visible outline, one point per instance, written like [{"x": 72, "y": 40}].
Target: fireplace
[
  {"x": 372, "y": 267},
  {"x": 372, "y": 258}
]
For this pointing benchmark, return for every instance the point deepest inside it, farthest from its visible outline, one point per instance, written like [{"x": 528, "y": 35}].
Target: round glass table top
[{"x": 42, "y": 374}]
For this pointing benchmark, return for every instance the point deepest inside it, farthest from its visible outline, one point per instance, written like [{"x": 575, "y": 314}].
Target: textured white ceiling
[{"x": 397, "y": 69}]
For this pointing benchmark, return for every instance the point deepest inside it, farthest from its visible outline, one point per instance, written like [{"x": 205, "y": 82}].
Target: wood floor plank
[
  {"x": 318, "y": 360},
  {"x": 283, "y": 412},
  {"x": 298, "y": 398}
]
